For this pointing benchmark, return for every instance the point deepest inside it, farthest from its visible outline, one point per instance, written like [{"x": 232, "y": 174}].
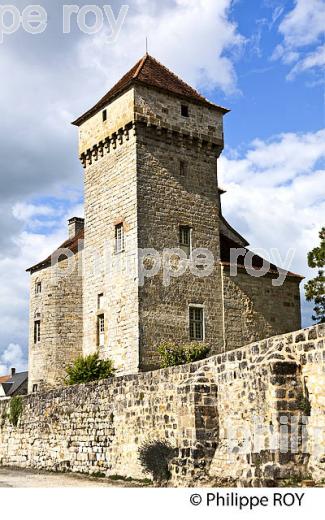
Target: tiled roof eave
[{"x": 102, "y": 103}]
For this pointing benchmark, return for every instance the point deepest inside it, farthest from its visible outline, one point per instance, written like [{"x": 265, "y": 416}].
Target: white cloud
[
  {"x": 275, "y": 193},
  {"x": 304, "y": 24},
  {"x": 30, "y": 248},
  {"x": 313, "y": 60},
  {"x": 192, "y": 37},
  {"x": 24, "y": 211},
  {"x": 302, "y": 30},
  {"x": 12, "y": 357}
]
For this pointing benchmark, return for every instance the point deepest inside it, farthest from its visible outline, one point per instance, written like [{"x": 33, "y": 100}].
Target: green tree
[
  {"x": 315, "y": 288},
  {"x": 89, "y": 368}
]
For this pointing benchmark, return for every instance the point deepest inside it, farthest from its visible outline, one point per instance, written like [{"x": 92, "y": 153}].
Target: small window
[
  {"x": 38, "y": 287},
  {"x": 184, "y": 110},
  {"x": 100, "y": 301},
  {"x": 182, "y": 168},
  {"x": 37, "y": 331},
  {"x": 185, "y": 239},
  {"x": 35, "y": 388},
  {"x": 101, "y": 330},
  {"x": 196, "y": 323},
  {"x": 119, "y": 238},
  {"x": 104, "y": 115}
]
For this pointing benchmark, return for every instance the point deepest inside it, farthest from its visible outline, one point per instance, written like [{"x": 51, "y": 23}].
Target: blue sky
[
  {"x": 272, "y": 103},
  {"x": 263, "y": 59}
]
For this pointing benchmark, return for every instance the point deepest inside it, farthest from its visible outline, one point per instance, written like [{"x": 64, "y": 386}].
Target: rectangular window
[
  {"x": 38, "y": 288},
  {"x": 100, "y": 301},
  {"x": 184, "y": 110},
  {"x": 104, "y": 115},
  {"x": 185, "y": 239},
  {"x": 35, "y": 388},
  {"x": 101, "y": 330},
  {"x": 182, "y": 168},
  {"x": 196, "y": 323},
  {"x": 37, "y": 331},
  {"x": 119, "y": 238}
]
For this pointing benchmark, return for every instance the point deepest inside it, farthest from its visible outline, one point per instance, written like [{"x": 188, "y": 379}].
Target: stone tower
[
  {"x": 134, "y": 274},
  {"x": 150, "y": 148}
]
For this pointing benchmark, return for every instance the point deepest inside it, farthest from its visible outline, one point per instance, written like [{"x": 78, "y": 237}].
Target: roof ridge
[{"x": 141, "y": 63}]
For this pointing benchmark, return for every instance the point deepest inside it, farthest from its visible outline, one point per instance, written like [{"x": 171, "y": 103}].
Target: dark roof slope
[
  {"x": 224, "y": 225},
  {"x": 226, "y": 244},
  {"x": 15, "y": 382},
  {"x": 72, "y": 244},
  {"x": 150, "y": 72}
]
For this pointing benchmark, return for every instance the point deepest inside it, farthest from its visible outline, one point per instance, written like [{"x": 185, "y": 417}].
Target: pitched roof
[
  {"x": 224, "y": 225},
  {"x": 151, "y": 72},
  {"x": 11, "y": 384},
  {"x": 72, "y": 244},
  {"x": 17, "y": 380},
  {"x": 226, "y": 244}
]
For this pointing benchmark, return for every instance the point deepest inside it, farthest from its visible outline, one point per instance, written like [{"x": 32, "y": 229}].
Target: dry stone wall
[{"x": 221, "y": 416}]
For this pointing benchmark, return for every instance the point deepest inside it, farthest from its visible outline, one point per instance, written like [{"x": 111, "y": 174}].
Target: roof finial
[{"x": 146, "y": 44}]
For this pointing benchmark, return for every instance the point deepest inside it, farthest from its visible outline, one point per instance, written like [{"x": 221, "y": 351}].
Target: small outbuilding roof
[{"x": 73, "y": 244}]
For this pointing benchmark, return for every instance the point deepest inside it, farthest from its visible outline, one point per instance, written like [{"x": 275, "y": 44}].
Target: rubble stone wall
[{"x": 205, "y": 411}]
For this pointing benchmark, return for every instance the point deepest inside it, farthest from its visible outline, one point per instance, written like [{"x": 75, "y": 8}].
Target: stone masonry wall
[
  {"x": 119, "y": 112},
  {"x": 166, "y": 200},
  {"x": 164, "y": 110},
  {"x": 110, "y": 199},
  {"x": 202, "y": 410},
  {"x": 254, "y": 308},
  {"x": 59, "y": 309}
]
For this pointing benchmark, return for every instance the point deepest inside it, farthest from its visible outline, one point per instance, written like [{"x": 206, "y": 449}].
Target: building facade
[{"x": 152, "y": 261}]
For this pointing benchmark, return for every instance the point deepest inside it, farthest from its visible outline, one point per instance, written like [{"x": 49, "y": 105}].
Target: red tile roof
[
  {"x": 4, "y": 379},
  {"x": 151, "y": 72},
  {"x": 72, "y": 244}
]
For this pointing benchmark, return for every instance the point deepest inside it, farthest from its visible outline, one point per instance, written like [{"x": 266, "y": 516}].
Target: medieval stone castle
[{"x": 150, "y": 150}]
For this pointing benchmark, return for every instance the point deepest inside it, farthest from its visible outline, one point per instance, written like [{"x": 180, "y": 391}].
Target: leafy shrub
[
  {"x": 16, "y": 409},
  {"x": 154, "y": 457},
  {"x": 172, "y": 354},
  {"x": 89, "y": 368}
]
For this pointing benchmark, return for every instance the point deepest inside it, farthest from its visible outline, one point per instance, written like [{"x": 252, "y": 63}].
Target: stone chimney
[
  {"x": 75, "y": 225},
  {"x": 13, "y": 371}
]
